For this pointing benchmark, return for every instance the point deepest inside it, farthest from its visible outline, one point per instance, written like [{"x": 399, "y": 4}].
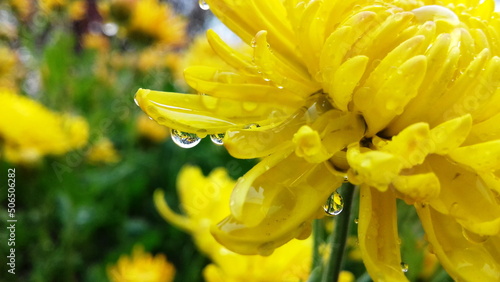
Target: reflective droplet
[
  {"x": 184, "y": 139},
  {"x": 356, "y": 220},
  {"x": 203, "y": 5},
  {"x": 251, "y": 126},
  {"x": 404, "y": 267},
  {"x": 473, "y": 237},
  {"x": 217, "y": 138},
  {"x": 150, "y": 118},
  {"x": 334, "y": 204},
  {"x": 254, "y": 42},
  {"x": 346, "y": 178}
]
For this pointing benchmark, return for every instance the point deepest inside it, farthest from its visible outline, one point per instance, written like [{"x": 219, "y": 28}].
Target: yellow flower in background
[
  {"x": 103, "y": 152},
  {"x": 205, "y": 201},
  {"x": 22, "y": 7},
  {"x": 30, "y": 131},
  {"x": 49, "y": 6},
  {"x": 9, "y": 68},
  {"x": 153, "y": 21},
  {"x": 142, "y": 267},
  {"x": 399, "y": 97},
  {"x": 150, "y": 129}
]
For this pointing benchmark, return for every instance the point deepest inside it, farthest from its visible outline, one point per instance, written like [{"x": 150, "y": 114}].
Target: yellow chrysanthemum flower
[
  {"x": 142, "y": 267},
  {"x": 399, "y": 97},
  {"x": 29, "y": 130},
  {"x": 205, "y": 202},
  {"x": 103, "y": 152},
  {"x": 151, "y": 129}
]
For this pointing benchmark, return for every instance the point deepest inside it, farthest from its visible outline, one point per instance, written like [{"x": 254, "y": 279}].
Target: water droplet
[
  {"x": 184, "y": 139},
  {"x": 217, "y": 138},
  {"x": 346, "y": 178},
  {"x": 203, "y": 5},
  {"x": 254, "y": 42},
  {"x": 404, "y": 267},
  {"x": 150, "y": 118},
  {"x": 334, "y": 204},
  {"x": 473, "y": 237},
  {"x": 356, "y": 220},
  {"x": 135, "y": 101},
  {"x": 251, "y": 126}
]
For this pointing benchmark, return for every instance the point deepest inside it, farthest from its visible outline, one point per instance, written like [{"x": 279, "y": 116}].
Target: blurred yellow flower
[
  {"x": 9, "y": 68},
  {"x": 77, "y": 10},
  {"x": 204, "y": 201},
  {"x": 95, "y": 41},
  {"x": 49, "y": 6},
  {"x": 153, "y": 21},
  {"x": 23, "y": 8},
  {"x": 150, "y": 129},
  {"x": 399, "y": 97},
  {"x": 103, "y": 152},
  {"x": 30, "y": 131},
  {"x": 141, "y": 267}
]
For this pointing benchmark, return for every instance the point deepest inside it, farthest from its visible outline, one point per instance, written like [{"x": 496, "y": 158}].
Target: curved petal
[
  {"x": 276, "y": 204},
  {"x": 204, "y": 114},
  {"x": 378, "y": 235},
  {"x": 463, "y": 260},
  {"x": 465, "y": 197}
]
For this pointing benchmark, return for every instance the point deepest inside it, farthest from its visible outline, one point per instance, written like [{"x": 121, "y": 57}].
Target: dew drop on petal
[
  {"x": 473, "y": 237},
  {"x": 356, "y": 220},
  {"x": 334, "y": 204},
  {"x": 203, "y": 5},
  {"x": 251, "y": 126},
  {"x": 217, "y": 139},
  {"x": 404, "y": 267},
  {"x": 184, "y": 139},
  {"x": 266, "y": 249},
  {"x": 254, "y": 42}
]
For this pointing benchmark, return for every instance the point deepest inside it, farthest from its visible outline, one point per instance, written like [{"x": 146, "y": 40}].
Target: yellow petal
[
  {"x": 465, "y": 197},
  {"x": 450, "y": 134},
  {"x": 308, "y": 145},
  {"x": 341, "y": 86},
  {"x": 229, "y": 55},
  {"x": 204, "y": 114},
  {"x": 226, "y": 84},
  {"x": 378, "y": 235},
  {"x": 417, "y": 187},
  {"x": 390, "y": 99},
  {"x": 480, "y": 157},
  {"x": 411, "y": 145},
  {"x": 272, "y": 206},
  {"x": 463, "y": 260},
  {"x": 166, "y": 212},
  {"x": 365, "y": 167}
]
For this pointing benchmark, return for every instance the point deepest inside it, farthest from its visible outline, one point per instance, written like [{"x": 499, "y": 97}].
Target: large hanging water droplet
[
  {"x": 334, "y": 204},
  {"x": 404, "y": 267},
  {"x": 203, "y": 5},
  {"x": 217, "y": 139},
  {"x": 184, "y": 139}
]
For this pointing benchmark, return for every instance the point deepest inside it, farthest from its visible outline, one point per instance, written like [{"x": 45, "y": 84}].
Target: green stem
[
  {"x": 338, "y": 238},
  {"x": 318, "y": 233}
]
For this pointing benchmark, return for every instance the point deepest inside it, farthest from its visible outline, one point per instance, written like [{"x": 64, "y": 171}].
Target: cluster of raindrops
[
  {"x": 189, "y": 140},
  {"x": 334, "y": 204}
]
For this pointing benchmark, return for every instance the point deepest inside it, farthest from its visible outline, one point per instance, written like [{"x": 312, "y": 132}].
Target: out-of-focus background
[{"x": 86, "y": 158}]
